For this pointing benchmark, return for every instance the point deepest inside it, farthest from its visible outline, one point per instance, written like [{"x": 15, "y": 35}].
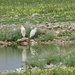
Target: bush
[
  {"x": 56, "y": 71},
  {"x": 69, "y": 58},
  {"x": 48, "y": 36},
  {"x": 10, "y": 33},
  {"x": 53, "y": 71}
]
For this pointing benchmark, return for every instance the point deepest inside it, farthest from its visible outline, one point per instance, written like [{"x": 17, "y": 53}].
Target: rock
[
  {"x": 49, "y": 28},
  {"x": 57, "y": 32},
  {"x": 72, "y": 28},
  {"x": 61, "y": 65},
  {"x": 23, "y": 41},
  {"x": 45, "y": 42},
  {"x": 9, "y": 43},
  {"x": 50, "y": 66},
  {"x": 34, "y": 69},
  {"x": 32, "y": 42},
  {"x": 47, "y": 24},
  {"x": 18, "y": 70},
  {"x": 2, "y": 43},
  {"x": 56, "y": 26},
  {"x": 34, "y": 15},
  {"x": 42, "y": 26}
]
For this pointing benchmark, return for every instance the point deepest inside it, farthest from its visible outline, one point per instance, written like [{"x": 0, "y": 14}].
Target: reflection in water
[
  {"x": 24, "y": 55},
  {"x": 24, "y": 48},
  {"x": 32, "y": 43},
  {"x": 11, "y": 58},
  {"x": 32, "y": 51}
]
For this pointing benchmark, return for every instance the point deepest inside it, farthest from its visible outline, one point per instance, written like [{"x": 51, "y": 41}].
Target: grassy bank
[{"x": 22, "y": 12}]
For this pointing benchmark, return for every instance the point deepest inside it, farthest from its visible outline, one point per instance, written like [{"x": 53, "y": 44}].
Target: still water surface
[{"x": 11, "y": 58}]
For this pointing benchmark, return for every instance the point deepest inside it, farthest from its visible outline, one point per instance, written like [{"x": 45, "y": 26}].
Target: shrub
[
  {"x": 52, "y": 71},
  {"x": 69, "y": 58},
  {"x": 48, "y": 36},
  {"x": 10, "y": 33}
]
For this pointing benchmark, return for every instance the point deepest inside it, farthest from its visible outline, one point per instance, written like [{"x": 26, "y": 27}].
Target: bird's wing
[
  {"x": 31, "y": 33},
  {"x": 23, "y": 32}
]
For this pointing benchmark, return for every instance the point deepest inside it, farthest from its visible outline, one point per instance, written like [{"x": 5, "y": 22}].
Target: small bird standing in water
[
  {"x": 23, "y": 31},
  {"x": 32, "y": 33}
]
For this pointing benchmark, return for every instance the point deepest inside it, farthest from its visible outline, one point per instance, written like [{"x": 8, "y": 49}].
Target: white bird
[
  {"x": 32, "y": 33},
  {"x": 23, "y": 31}
]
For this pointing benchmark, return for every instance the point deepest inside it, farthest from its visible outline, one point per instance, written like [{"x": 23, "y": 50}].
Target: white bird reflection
[
  {"x": 32, "y": 51},
  {"x": 24, "y": 48},
  {"x": 24, "y": 55}
]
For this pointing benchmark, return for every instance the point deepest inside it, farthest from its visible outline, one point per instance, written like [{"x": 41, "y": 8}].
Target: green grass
[
  {"x": 53, "y": 71},
  {"x": 48, "y": 36},
  {"x": 49, "y": 10},
  {"x": 70, "y": 34}
]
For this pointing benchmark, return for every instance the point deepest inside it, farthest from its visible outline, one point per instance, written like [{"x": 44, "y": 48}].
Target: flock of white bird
[{"x": 32, "y": 33}]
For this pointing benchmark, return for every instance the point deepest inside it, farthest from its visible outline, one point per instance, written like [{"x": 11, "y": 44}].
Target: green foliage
[
  {"x": 65, "y": 33},
  {"x": 10, "y": 33},
  {"x": 47, "y": 54},
  {"x": 72, "y": 37},
  {"x": 68, "y": 33},
  {"x": 27, "y": 31},
  {"x": 50, "y": 11},
  {"x": 55, "y": 58},
  {"x": 39, "y": 33},
  {"x": 53, "y": 71},
  {"x": 14, "y": 73},
  {"x": 48, "y": 36},
  {"x": 35, "y": 63},
  {"x": 69, "y": 58}
]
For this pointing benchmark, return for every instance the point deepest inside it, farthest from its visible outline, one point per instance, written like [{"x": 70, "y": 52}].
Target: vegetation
[
  {"x": 47, "y": 54},
  {"x": 20, "y": 11},
  {"x": 12, "y": 33},
  {"x": 53, "y": 71},
  {"x": 28, "y": 13},
  {"x": 31, "y": 13}
]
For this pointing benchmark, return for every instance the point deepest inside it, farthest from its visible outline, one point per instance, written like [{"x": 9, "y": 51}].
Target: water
[{"x": 12, "y": 58}]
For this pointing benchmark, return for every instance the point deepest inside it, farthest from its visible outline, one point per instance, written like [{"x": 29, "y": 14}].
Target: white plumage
[
  {"x": 23, "y": 31},
  {"x": 32, "y": 33}
]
